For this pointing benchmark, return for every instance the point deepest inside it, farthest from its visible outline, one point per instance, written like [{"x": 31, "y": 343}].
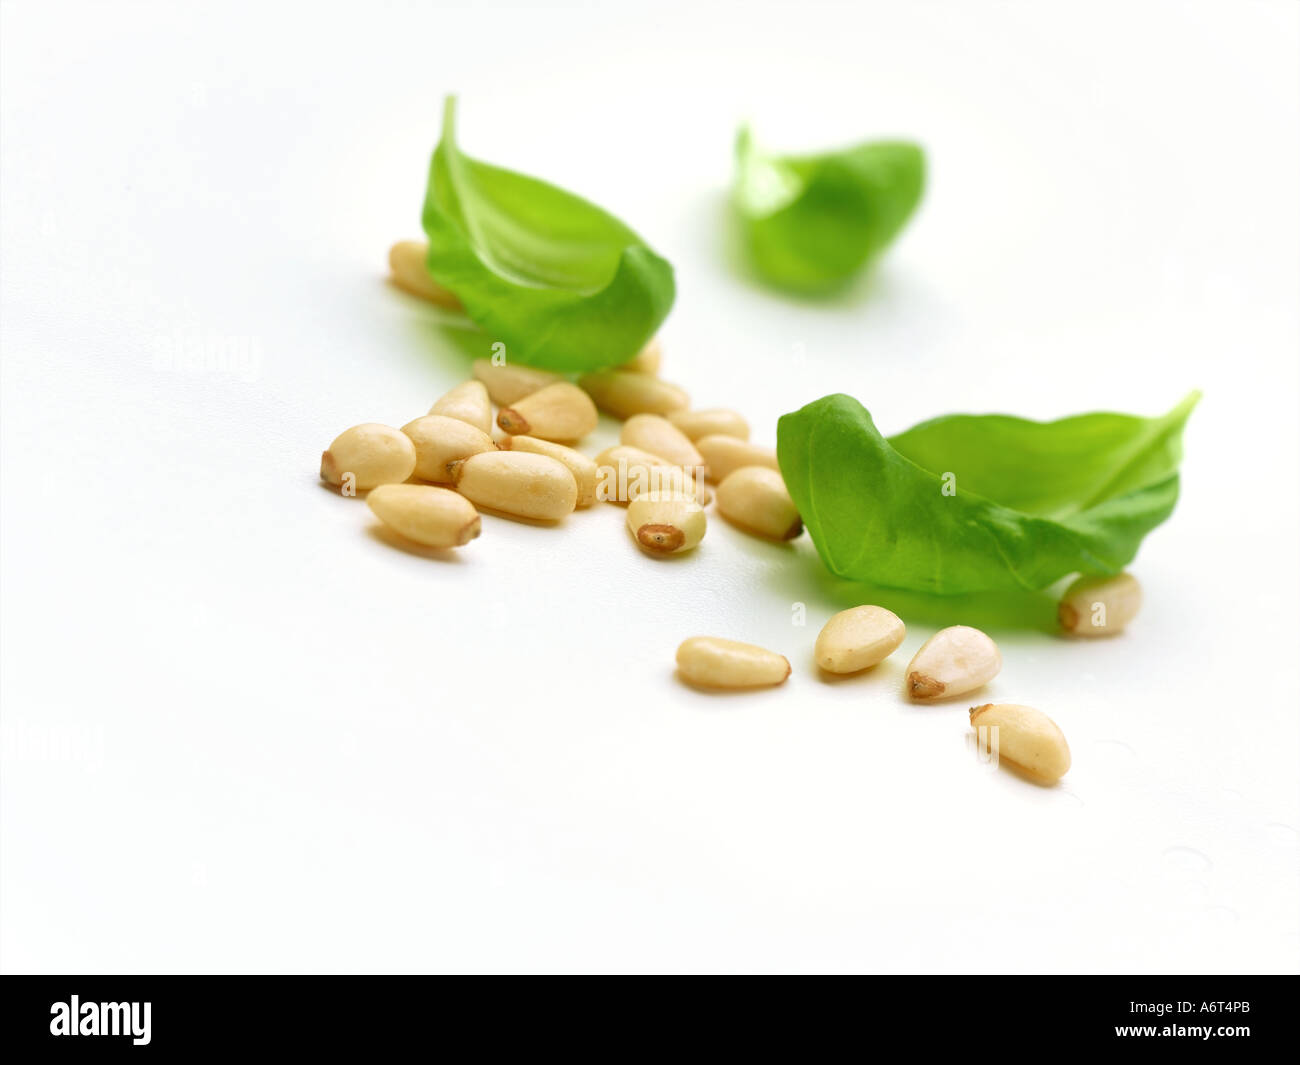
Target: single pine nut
[
  {"x": 370, "y": 454},
  {"x": 666, "y": 523},
  {"x": 469, "y": 402},
  {"x": 518, "y": 483},
  {"x": 755, "y": 498},
  {"x": 561, "y": 411},
  {"x": 440, "y": 441},
  {"x": 1100, "y": 606},
  {"x": 434, "y": 517},
  {"x": 647, "y": 359},
  {"x": 508, "y": 383},
  {"x": 858, "y": 638},
  {"x": 953, "y": 661},
  {"x": 582, "y": 468},
  {"x": 657, "y": 435},
  {"x": 722, "y": 454},
  {"x": 698, "y": 424},
  {"x": 716, "y": 663},
  {"x": 1025, "y": 737},
  {"x": 623, "y": 473},
  {"x": 623, "y": 394},
  {"x": 406, "y": 260}
]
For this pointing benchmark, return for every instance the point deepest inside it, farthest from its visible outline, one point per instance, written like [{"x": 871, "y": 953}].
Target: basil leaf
[
  {"x": 562, "y": 283},
  {"x": 811, "y": 222},
  {"x": 970, "y": 503}
]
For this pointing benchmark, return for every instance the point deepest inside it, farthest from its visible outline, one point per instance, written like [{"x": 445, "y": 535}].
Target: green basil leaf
[
  {"x": 563, "y": 284},
  {"x": 811, "y": 222},
  {"x": 970, "y": 503}
]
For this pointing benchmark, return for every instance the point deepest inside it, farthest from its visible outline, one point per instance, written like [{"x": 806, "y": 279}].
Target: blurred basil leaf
[{"x": 812, "y": 222}]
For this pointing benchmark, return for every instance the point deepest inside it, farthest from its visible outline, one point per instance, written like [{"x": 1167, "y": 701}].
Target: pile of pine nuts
[
  {"x": 427, "y": 480},
  {"x": 658, "y": 470}
]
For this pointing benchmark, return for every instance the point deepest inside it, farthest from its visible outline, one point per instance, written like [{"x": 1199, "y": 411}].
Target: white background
[{"x": 244, "y": 731}]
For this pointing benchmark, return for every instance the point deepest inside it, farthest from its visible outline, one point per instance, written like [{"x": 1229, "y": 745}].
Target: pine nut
[
  {"x": 623, "y": 473},
  {"x": 370, "y": 454},
  {"x": 582, "y": 468},
  {"x": 698, "y": 424},
  {"x": 508, "y": 383},
  {"x": 953, "y": 661},
  {"x": 440, "y": 441},
  {"x": 1100, "y": 606},
  {"x": 723, "y": 454},
  {"x": 755, "y": 498},
  {"x": 561, "y": 411},
  {"x": 858, "y": 638},
  {"x": 666, "y": 523},
  {"x": 657, "y": 435},
  {"x": 434, "y": 517},
  {"x": 624, "y": 394},
  {"x": 716, "y": 663},
  {"x": 517, "y": 483},
  {"x": 647, "y": 359},
  {"x": 468, "y": 402},
  {"x": 1025, "y": 737},
  {"x": 406, "y": 260}
]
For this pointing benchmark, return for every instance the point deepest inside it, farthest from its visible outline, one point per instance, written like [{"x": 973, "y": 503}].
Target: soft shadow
[
  {"x": 882, "y": 673},
  {"x": 453, "y": 338},
  {"x": 758, "y": 545},
  {"x": 389, "y": 538},
  {"x": 1014, "y": 770},
  {"x": 990, "y": 611}
]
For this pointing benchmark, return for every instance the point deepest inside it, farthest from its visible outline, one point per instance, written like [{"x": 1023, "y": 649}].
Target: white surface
[{"x": 242, "y": 732}]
